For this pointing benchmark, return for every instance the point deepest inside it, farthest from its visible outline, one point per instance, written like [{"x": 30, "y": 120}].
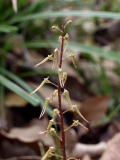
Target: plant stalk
[{"x": 60, "y": 105}]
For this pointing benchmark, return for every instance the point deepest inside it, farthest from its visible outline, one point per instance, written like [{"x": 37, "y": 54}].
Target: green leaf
[
  {"x": 7, "y": 28},
  {"x": 16, "y": 89},
  {"x": 16, "y": 79},
  {"x": 19, "y": 81},
  {"x": 75, "y": 46},
  {"x": 76, "y": 13}
]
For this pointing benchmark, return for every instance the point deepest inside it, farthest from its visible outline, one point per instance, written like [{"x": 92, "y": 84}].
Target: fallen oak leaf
[
  {"x": 13, "y": 100},
  {"x": 12, "y": 147},
  {"x": 95, "y": 108},
  {"x": 31, "y": 133},
  {"x": 112, "y": 151}
]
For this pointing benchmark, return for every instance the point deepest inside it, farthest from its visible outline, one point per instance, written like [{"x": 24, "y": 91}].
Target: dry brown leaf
[
  {"x": 113, "y": 149},
  {"x": 32, "y": 132},
  {"x": 12, "y": 147},
  {"x": 89, "y": 149},
  {"x": 13, "y": 100},
  {"x": 95, "y": 108}
]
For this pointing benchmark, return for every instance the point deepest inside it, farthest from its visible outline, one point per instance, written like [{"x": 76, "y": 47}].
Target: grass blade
[
  {"x": 16, "y": 89},
  {"x": 94, "y": 50},
  {"x": 7, "y": 28},
  {"x": 76, "y": 13},
  {"x": 19, "y": 81},
  {"x": 79, "y": 47}
]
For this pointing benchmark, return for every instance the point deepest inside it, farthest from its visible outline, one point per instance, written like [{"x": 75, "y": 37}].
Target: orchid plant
[{"x": 57, "y": 58}]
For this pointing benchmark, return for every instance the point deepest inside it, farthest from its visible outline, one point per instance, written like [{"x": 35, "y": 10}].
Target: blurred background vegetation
[
  {"x": 26, "y": 35},
  {"x": 26, "y": 38}
]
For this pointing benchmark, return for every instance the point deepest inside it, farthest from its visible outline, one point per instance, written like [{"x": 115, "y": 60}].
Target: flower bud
[
  {"x": 55, "y": 113},
  {"x": 51, "y": 122},
  {"x": 67, "y": 23},
  {"x": 56, "y": 50},
  {"x": 66, "y": 37},
  {"x": 56, "y": 29},
  {"x": 52, "y": 131}
]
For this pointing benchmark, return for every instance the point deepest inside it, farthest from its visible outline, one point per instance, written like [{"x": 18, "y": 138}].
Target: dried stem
[{"x": 59, "y": 102}]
